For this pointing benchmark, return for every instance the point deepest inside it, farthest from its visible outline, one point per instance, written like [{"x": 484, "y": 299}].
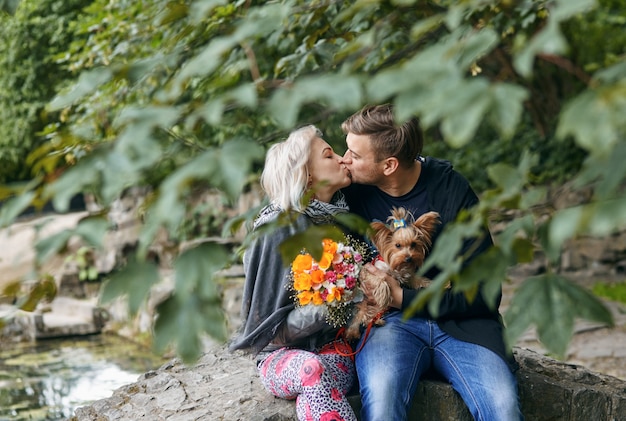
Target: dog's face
[{"x": 403, "y": 245}]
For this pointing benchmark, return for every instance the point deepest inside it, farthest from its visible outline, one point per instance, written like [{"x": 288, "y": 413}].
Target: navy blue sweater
[{"x": 440, "y": 188}]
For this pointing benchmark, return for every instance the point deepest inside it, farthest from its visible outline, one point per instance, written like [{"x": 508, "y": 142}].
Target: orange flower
[
  {"x": 305, "y": 297},
  {"x": 317, "y": 298},
  {"x": 302, "y": 281},
  {"x": 317, "y": 277},
  {"x": 326, "y": 260},
  {"x": 334, "y": 294},
  {"x": 302, "y": 262},
  {"x": 329, "y": 246}
]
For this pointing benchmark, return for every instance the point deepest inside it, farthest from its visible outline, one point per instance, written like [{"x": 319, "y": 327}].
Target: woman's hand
[{"x": 396, "y": 289}]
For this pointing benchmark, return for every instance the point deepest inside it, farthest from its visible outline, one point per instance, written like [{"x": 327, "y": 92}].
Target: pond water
[{"x": 50, "y": 379}]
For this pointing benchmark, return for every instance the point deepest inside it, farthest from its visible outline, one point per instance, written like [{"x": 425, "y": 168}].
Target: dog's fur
[{"x": 402, "y": 247}]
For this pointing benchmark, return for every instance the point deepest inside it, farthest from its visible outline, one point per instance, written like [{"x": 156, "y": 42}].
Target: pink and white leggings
[{"x": 318, "y": 381}]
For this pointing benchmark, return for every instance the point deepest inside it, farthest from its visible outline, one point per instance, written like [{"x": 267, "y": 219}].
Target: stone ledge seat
[{"x": 225, "y": 386}]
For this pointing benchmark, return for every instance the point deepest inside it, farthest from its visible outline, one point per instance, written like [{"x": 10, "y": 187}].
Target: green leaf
[
  {"x": 195, "y": 308},
  {"x": 460, "y": 124},
  {"x": 9, "y": 6},
  {"x": 565, "y": 9},
  {"x": 44, "y": 289},
  {"x": 133, "y": 281},
  {"x": 309, "y": 240},
  {"x": 13, "y": 207},
  {"x": 232, "y": 164},
  {"x": 92, "y": 230},
  {"x": 606, "y": 171},
  {"x": 552, "y": 303},
  {"x": 200, "y": 8},
  {"x": 73, "y": 181},
  {"x": 595, "y": 118},
  {"x": 52, "y": 245},
  {"x": 195, "y": 270},
  {"x": 88, "y": 82},
  {"x": 488, "y": 269},
  {"x": 549, "y": 40},
  {"x": 354, "y": 223},
  {"x": 476, "y": 44},
  {"x": 516, "y": 230},
  {"x": 596, "y": 219},
  {"x": 506, "y": 107},
  {"x": 339, "y": 91}
]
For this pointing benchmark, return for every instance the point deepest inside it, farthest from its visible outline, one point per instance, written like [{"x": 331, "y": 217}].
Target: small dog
[{"x": 402, "y": 247}]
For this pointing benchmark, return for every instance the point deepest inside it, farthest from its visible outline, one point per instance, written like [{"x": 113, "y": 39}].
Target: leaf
[
  {"x": 232, "y": 164},
  {"x": 309, "y": 240},
  {"x": 552, "y": 303},
  {"x": 92, "y": 229},
  {"x": 133, "y": 281},
  {"x": 52, "y": 245},
  {"x": 597, "y": 219},
  {"x": 200, "y": 8},
  {"x": 88, "y": 82},
  {"x": 476, "y": 44},
  {"x": 9, "y": 6},
  {"x": 488, "y": 269},
  {"x": 338, "y": 91},
  {"x": 195, "y": 270},
  {"x": 13, "y": 207},
  {"x": 195, "y": 307},
  {"x": 44, "y": 289},
  {"x": 549, "y": 40},
  {"x": 73, "y": 181},
  {"x": 459, "y": 126},
  {"x": 606, "y": 171},
  {"x": 565, "y": 9},
  {"x": 595, "y": 119},
  {"x": 506, "y": 107},
  {"x": 354, "y": 223}
]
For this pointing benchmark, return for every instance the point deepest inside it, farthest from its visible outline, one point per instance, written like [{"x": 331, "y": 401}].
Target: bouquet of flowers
[{"x": 333, "y": 281}]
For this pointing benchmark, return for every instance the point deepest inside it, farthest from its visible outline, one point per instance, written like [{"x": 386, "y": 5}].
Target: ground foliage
[{"x": 174, "y": 95}]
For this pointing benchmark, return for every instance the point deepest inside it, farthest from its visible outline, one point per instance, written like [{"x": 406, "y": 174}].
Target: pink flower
[
  {"x": 331, "y": 416},
  {"x": 311, "y": 372},
  {"x": 335, "y": 394},
  {"x": 283, "y": 362},
  {"x": 330, "y": 276}
]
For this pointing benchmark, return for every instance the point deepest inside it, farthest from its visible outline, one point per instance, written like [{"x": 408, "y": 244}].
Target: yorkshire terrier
[{"x": 402, "y": 247}]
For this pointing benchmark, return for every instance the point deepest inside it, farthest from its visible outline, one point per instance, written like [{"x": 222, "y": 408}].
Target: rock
[{"x": 225, "y": 386}]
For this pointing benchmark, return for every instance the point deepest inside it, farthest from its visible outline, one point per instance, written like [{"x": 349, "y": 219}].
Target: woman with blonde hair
[{"x": 303, "y": 175}]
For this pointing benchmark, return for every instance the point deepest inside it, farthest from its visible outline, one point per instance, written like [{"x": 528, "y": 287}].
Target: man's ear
[{"x": 391, "y": 165}]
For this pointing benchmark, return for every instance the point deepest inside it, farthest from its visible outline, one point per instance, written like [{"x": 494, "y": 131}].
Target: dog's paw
[{"x": 352, "y": 332}]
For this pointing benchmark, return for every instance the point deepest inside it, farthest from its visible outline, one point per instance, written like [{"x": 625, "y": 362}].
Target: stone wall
[{"x": 225, "y": 386}]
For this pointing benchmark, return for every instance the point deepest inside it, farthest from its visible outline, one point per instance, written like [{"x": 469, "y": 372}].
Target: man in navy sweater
[{"x": 464, "y": 343}]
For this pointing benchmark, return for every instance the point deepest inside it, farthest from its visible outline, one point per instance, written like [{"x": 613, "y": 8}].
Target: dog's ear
[
  {"x": 427, "y": 224},
  {"x": 382, "y": 234}
]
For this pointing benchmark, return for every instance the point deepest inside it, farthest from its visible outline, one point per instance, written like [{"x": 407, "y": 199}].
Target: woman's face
[{"x": 326, "y": 172}]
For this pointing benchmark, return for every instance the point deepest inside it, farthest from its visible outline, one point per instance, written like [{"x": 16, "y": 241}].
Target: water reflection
[{"x": 50, "y": 379}]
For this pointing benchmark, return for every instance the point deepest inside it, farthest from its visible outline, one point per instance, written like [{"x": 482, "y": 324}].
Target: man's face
[{"x": 360, "y": 160}]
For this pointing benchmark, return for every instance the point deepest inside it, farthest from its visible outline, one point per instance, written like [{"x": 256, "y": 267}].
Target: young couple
[{"x": 382, "y": 168}]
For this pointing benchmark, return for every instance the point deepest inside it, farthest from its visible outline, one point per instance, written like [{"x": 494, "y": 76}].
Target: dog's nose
[{"x": 408, "y": 259}]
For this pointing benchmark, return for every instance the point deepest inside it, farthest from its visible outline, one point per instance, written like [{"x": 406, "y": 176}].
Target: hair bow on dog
[{"x": 398, "y": 223}]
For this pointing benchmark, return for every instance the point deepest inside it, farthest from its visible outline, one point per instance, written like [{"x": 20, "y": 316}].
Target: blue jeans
[{"x": 396, "y": 355}]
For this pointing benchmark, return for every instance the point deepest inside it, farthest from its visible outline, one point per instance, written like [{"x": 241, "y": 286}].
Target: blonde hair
[{"x": 285, "y": 175}]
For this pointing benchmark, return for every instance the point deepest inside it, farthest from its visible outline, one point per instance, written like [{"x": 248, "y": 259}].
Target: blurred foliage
[
  {"x": 30, "y": 40},
  {"x": 174, "y": 94},
  {"x": 615, "y": 291}
]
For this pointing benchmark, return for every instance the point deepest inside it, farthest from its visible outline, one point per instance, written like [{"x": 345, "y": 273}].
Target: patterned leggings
[{"x": 319, "y": 382}]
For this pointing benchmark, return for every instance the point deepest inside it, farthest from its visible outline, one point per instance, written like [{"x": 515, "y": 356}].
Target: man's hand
[{"x": 384, "y": 276}]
